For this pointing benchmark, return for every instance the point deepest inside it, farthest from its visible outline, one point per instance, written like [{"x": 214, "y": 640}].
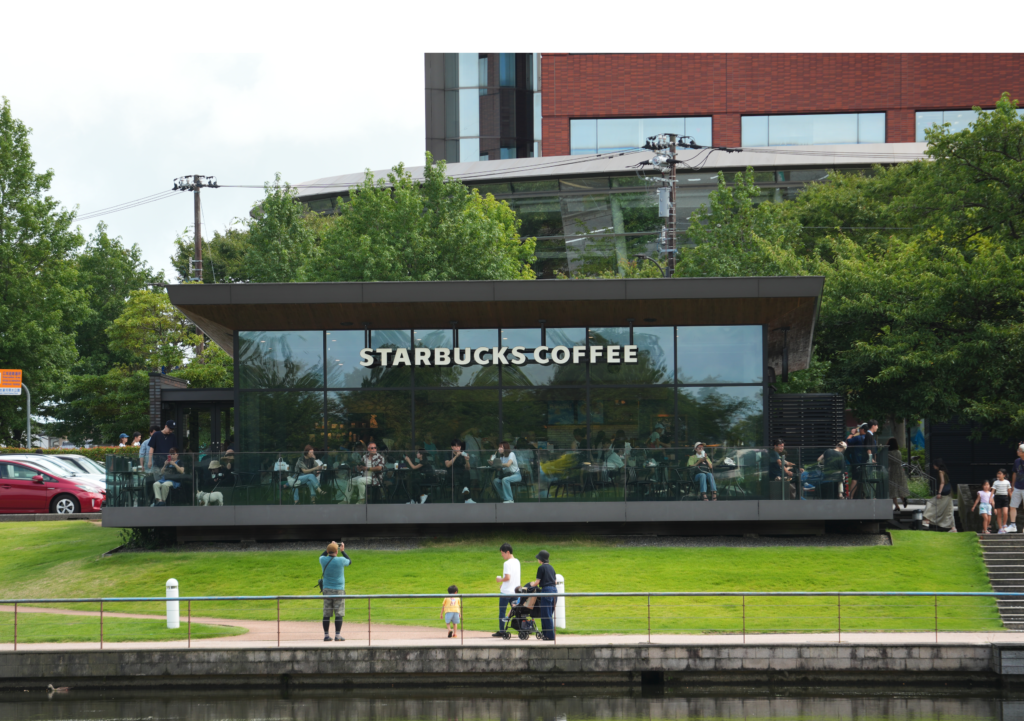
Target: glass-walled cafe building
[{"x": 601, "y": 389}]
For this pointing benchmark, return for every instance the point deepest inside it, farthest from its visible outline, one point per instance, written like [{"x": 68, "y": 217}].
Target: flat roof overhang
[{"x": 778, "y": 302}]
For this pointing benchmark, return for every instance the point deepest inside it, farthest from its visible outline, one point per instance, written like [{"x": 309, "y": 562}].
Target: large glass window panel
[
  {"x": 958, "y": 119},
  {"x": 541, "y": 216},
  {"x": 582, "y": 136},
  {"x": 469, "y": 70},
  {"x": 281, "y": 359},
  {"x": 656, "y": 356},
  {"x": 469, "y": 113},
  {"x": 467, "y": 375},
  {"x": 602, "y": 372},
  {"x": 343, "y": 359},
  {"x": 469, "y": 150},
  {"x": 507, "y": 70},
  {"x": 384, "y": 417},
  {"x": 812, "y": 129},
  {"x": 754, "y": 131},
  {"x": 719, "y": 354},
  {"x": 654, "y": 126},
  {"x": 925, "y": 120},
  {"x": 524, "y": 337},
  {"x": 871, "y": 128},
  {"x": 281, "y": 421},
  {"x": 391, "y": 376},
  {"x": 618, "y": 134},
  {"x": 436, "y": 375},
  {"x": 548, "y": 418},
  {"x": 717, "y": 415},
  {"x": 640, "y": 416},
  {"x": 699, "y": 129},
  {"x": 451, "y": 113},
  {"x": 468, "y": 414},
  {"x": 538, "y": 117}
]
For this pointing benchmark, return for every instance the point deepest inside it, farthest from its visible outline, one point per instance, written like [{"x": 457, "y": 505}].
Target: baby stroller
[{"x": 521, "y": 613}]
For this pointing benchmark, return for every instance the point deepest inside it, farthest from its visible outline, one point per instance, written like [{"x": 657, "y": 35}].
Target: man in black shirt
[
  {"x": 546, "y": 582},
  {"x": 160, "y": 443}
]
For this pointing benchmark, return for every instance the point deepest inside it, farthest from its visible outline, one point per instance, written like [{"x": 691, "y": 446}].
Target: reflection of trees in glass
[
  {"x": 448, "y": 414},
  {"x": 652, "y": 366},
  {"x": 382, "y": 416},
  {"x": 544, "y": 414},
  {"x": 281, "y": 360},
  {"x": 721, "y": 415},
  {"x": 283, "y": 421}
]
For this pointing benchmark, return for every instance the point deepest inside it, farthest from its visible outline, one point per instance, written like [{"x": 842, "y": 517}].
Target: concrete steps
[{"x": 1004, "y": 560}]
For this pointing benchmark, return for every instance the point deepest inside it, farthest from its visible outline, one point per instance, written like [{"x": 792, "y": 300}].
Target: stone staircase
[{"x": 1004, "y": 558}]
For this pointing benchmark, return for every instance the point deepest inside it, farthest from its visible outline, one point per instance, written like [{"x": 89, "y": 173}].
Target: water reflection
[{"x": 542, "y": 704}]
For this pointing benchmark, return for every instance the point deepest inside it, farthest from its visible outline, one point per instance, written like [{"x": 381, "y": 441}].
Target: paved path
[{"x": 302, "y": 634}]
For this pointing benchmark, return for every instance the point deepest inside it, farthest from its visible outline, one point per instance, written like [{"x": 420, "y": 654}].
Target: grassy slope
[
  {"x": 61, "y": 559},
  {"x": 51, "y": 628}
]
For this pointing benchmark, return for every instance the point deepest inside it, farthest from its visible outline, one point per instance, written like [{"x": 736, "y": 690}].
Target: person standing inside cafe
[
  {"x": 160, "y": 445},
  {"x": 545, "y": 582}
]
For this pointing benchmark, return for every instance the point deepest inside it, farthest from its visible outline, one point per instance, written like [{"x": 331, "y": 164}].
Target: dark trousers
[
  {"x": 503, "y": 603},
  {"x": 547, "y": 612}
]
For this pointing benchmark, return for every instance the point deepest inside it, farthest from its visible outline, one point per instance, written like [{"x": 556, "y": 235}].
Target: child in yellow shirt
[{"x": 451, "y": 610}]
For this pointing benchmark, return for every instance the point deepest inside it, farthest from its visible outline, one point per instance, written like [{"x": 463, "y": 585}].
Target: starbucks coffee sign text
[{"x": 542, "y": 355}]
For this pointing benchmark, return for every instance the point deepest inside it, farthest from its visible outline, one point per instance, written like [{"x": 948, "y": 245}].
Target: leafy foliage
[{"x": 40, "y": 302}]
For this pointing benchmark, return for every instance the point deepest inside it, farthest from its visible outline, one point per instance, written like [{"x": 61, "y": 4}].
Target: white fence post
[
  {"x": 173, "y": 619},
  {"x": 560, "y": 601}
]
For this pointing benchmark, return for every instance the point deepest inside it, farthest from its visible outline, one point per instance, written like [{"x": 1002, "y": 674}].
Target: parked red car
[{"x": 27, "y": 489}]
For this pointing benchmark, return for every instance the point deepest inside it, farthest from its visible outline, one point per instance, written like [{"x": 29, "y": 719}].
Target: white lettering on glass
[
  {"x": 367, "y": 357},
  {"x": 540, "y": 354},
  {"x": 401, "y": 357},
  {"x": 579, "y": 352},
  {"x": 478, "y": 356},
  {"x": 442, "y": 356},
  {"x": 384, "y": 353},
  {"x": 518, "y": 357},
  {"x": 629, "y": 354},
  {"x": 595, "y": 352},
  {"x": 560, "y": 355},
  {"x": 613, "y": 353},
  {"x": 421, "y": 357},
  {"x": 463, "y": 360},
  {"x": 498, "y": 356}
]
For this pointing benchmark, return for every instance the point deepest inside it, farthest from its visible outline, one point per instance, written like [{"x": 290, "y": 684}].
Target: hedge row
[{"x": 97, "y": 454}]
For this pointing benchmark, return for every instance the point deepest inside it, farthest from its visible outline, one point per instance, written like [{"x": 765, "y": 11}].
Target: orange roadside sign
[{"x": 10, "y": 382}]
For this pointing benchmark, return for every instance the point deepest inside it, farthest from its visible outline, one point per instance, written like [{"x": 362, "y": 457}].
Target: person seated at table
[
  {"x": 700, "y": 461},
  {"x": 425, "y": 471},
  {"x": 508, "y": 471},
  {"x": 307, "y": 471},
  {"x": 170, "y": 475}
]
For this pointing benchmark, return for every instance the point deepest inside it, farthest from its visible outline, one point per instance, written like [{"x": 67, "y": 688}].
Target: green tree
[
  {"x": 225, "y": 256},
  {"x": 40, "y": 303},
  {"x": 108, "y": 272},
  {"x": 435, "y": 230}
]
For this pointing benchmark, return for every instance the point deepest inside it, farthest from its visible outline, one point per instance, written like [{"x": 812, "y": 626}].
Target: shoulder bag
[{"x": 320, "y": 583}]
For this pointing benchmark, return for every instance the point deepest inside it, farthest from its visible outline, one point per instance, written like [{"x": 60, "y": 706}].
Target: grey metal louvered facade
[{"x": 806, "y": 419}]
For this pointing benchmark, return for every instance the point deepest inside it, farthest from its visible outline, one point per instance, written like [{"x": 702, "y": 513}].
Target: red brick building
[{"x": 729, "y": 86}]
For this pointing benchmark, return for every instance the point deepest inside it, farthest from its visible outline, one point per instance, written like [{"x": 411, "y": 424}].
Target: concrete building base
[{"x": 921, "y": 664}]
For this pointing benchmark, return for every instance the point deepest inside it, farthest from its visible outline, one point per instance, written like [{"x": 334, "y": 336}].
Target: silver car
[{"x": 61, "y": 467}]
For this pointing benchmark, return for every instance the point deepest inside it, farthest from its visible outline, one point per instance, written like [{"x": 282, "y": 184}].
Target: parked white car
[{"x": 66, "y": 469}]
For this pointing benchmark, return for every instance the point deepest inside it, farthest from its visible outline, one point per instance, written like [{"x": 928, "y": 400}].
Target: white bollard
[
  {"x": 173, "y": 620},
  {"x": 560, "y": 601}
]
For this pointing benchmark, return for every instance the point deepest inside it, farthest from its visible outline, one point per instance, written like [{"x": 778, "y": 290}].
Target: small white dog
[{"x": 210, "y": 499}]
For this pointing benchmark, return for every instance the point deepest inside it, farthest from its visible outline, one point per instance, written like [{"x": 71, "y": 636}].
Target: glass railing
[{"x": 539, "y": 475}]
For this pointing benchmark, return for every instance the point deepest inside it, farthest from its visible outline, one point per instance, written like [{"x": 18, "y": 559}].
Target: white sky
[{"x": 123, "y": 97}]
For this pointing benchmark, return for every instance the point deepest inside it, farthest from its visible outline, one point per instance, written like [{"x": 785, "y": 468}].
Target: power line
[{"x": 127, "y": 205}]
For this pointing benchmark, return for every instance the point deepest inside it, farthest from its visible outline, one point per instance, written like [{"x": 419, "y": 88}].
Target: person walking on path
[
  {"x": 508, "y": 583},
  {"x": 1017, "y": 499},
  {"x": 898, "y": 487},
  {"x": 451, "y": 612},
  {"x": 333, "y": 577},
  {"x": 939, "y": 510},
  {"x": 1001, "y": 489},
  {"x": 546, "y": 582}
]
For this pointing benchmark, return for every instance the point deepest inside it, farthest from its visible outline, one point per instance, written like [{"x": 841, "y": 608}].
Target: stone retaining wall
[{"x": 417, "y": 666}]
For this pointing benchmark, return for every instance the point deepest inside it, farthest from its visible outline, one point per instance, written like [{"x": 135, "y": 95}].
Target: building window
[
  {"x": 833, "y": 129},
  {"x": 958, "y": 120},
  {"x": 609, "y": 135},
  {"x": 281, "y": 359}
]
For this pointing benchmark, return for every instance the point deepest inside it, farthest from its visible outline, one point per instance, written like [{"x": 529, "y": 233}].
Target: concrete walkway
[{"x": 303, "y": 634}]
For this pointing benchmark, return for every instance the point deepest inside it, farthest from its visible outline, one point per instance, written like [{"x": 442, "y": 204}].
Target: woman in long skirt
[
  {"x": 939, "y": 510},
  {"x": 897, "y": 477}
]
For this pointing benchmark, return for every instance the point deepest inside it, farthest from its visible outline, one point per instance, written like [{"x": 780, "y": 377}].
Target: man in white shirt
[{"x": 508, "y": 582}]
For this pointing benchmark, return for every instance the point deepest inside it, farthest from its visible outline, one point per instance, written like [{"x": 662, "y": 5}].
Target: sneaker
[
  {"x": 470, "y": 500},
  {"x": 1002, "y": 530},
  {"x": 338, "y": 638},
  {"x": 423, "y": 498},
  {"x": 498, "y": 634},
  {"x": 327, "y": 638},
  {"x": 1012, "y": 528},
  {"x": 508, "y": 501}
]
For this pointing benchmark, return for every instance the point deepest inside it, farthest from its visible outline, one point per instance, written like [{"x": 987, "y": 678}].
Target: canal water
[{"x": 521, "y": 705}]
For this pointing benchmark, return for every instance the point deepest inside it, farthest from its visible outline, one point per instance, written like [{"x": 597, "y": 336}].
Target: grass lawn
[
  {"x": 52, "y": 628},
  {"x": 62, "y": 560}
]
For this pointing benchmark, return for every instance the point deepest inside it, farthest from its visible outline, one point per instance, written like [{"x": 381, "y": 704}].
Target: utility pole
[
  {"x": 194, "y": 183},
  {"x": 671, "y": 240},
  {"x": 28, "y": 418}
]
